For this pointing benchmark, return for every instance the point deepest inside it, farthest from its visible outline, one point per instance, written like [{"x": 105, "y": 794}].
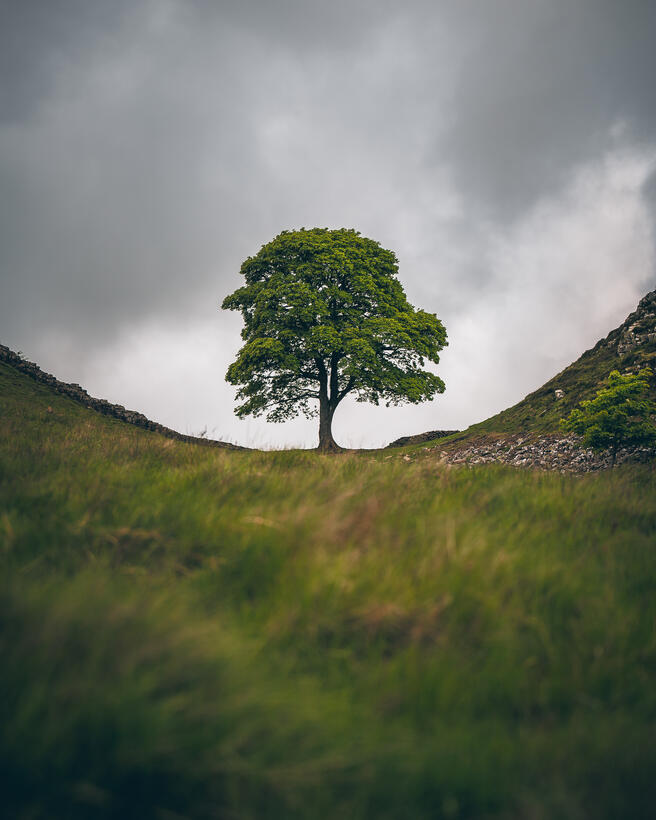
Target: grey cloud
[
  {"x": 649, "y": 196},
  {"x": 148, "y": 168},
  {"x": 38, "y": 38},
  {"x": 116, "y": 190},
  {"x": 540, "y": 87},
  {"x": 147, "y": 147},
  {"x": 298, "y": 25}
]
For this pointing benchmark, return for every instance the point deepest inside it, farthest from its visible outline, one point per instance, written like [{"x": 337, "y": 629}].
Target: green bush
[{"x": 620, "y": 416}]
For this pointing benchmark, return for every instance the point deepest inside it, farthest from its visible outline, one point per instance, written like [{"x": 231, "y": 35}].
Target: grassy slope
[
  {"x": 541, "y": 411},
  {"x": 256, "y": 635}
]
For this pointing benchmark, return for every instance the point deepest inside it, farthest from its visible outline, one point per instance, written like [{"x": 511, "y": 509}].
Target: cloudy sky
[{"x": 504, "y": 149}]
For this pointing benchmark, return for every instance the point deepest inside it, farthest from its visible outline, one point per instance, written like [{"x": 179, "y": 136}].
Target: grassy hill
[
  {"x": 197, "y": 632},
  {"x": 628, "y": 348}
]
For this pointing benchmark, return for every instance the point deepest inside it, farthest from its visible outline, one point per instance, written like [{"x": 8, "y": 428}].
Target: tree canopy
[
  {"x": 620, "y": 415},
  {"x": 325, "y": 316}
]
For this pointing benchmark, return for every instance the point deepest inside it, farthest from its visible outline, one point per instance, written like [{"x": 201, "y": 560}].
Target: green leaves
[
  {"x": 324, "y": 311},
  {"x": 621, "y": 414}
]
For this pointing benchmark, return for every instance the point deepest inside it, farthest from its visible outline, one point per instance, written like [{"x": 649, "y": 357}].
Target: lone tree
[
  {"x": 620, "y": 416},
  {"x": 325, "y": 316}
]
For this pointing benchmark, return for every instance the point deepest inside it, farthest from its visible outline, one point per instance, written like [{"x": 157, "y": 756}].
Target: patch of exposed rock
[
  {"x": 547, "y": 452},
  {"x": 117, "y": 411},
  {"x": 638, "y": 328},
  {"x": 421, "y": 438}
]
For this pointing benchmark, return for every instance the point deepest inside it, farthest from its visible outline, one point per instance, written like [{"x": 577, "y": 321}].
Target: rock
[
  {"x": 638, "y": 329},
  {"x": 546, "y": 452}
]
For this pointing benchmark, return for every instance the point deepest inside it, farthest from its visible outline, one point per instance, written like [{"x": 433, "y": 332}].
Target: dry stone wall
[{"x": 548, "y": 452}]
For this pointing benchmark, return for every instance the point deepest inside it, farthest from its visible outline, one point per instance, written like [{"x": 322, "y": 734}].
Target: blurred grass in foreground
[{"x": 187, "y": 632}]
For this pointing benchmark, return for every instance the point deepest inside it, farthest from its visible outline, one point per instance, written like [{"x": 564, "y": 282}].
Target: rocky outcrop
[
  {"x": 638, "y": 329},
  {"x": 421, "y": 438},
  {"x": 548, "y": 452},
  {"x": 117, "y": 411}
]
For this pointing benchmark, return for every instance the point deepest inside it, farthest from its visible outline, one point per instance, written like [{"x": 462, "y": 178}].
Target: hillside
[
  {"x": 628, "y": 348},
  {"x": 79, "y": 395},
  {"x": 528, "y": 434},
  {"x": 198, "y": 632}
]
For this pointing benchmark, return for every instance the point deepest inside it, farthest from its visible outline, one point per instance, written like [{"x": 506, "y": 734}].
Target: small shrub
[{"x": 620, "y": 416}]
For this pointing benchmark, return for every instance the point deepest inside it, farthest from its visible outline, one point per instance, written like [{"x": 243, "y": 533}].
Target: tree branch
[{"x": 349, "y": 386}]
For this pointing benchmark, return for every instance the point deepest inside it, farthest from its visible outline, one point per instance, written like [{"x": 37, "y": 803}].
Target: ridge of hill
[{"x": 79, "y": 394}]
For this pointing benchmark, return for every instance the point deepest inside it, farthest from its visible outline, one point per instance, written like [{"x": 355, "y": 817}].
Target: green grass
[
  {"x": 541, "y": 411},
  {"x": 200, "y": 633}
]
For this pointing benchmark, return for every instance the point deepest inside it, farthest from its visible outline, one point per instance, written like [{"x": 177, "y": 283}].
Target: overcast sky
[{"x": 504, "y": 149}]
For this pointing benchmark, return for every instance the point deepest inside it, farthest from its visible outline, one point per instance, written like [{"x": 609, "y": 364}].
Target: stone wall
[{"x": 547, "y": 452}]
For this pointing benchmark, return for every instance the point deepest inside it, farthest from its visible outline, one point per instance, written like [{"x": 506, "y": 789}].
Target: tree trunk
[{"x": 327, "y": 443}]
